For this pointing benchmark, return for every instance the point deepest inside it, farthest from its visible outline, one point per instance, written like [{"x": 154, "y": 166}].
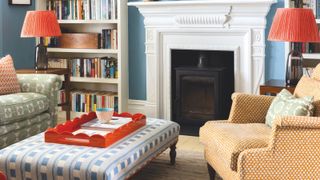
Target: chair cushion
[
  {"x": 14, "y": 107},
  {"x": 231, "y": 139},
  {"x": 285, "y": 104},
  {"x": 309, "y": 87},
  {"x": 316, "y": 73},
  {"x": 8, "y": 78}
]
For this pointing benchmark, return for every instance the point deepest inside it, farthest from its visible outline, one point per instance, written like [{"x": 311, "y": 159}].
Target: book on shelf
[
  {"x": 109, "y": 39},
  {"x": 87, "y": 101},
  {"x": 84, "y": 9},
  {"x": 62, "y": 96}
]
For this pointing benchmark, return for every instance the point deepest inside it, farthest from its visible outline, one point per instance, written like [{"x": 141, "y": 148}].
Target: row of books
[
  {"x": 84, "y": 9},
  {"x": 88, "y": 67},
  {"x": 97, "y": 68},
  {"x": 308, "y": 47},
  {"x": 312, "y": 4},
  {"x": 87, "y": 101},
  {"x": 107, "y": 39}
]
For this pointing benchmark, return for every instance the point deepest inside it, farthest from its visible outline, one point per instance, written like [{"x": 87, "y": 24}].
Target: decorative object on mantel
[
  {"x": 296, "y": 25},
  {"x": 40, "y": 24},
  {"x": 20, "y": 2}
]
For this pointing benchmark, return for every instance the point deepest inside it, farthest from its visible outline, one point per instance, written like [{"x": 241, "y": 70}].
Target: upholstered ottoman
[{"x": 34, "y": 159}]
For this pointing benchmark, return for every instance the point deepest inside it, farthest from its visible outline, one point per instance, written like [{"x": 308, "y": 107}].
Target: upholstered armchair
[
  {"x": 30, "y": 111},
  {"x": 244, "y": 147}
]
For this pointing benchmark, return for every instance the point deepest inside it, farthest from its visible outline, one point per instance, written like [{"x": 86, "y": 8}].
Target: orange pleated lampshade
[
  {"x": 294, "y": 25},
  {"x": 40, "y": 24}
]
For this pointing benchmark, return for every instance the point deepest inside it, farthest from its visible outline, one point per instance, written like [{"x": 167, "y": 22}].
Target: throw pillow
[
  {"x": 286, "y": 104},
  {"x": 8, "y": 78}
]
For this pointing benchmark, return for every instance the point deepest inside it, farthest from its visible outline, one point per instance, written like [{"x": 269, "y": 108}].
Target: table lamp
[
  {"x": 40, "y": 24},
  {"x": 296, "y": 25}
]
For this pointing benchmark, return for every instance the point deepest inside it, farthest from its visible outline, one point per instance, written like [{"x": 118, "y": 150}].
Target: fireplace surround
[{"x": 217, "y": 25}]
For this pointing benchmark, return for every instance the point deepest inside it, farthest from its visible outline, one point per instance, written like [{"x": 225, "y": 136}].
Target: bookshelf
[
  {"x": 83, "y": 51},
  {"x": 310, "y": 59},
  {"x": 117, "y": 19}
]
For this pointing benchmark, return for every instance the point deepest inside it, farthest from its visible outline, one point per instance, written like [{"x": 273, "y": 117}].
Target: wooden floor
[{"x": 189, "y": 143}]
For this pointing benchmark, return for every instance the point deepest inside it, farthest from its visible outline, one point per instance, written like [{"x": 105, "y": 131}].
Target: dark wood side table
[
  {"x": 59, "y": 71},
  {"x": 274, "y": 86}
]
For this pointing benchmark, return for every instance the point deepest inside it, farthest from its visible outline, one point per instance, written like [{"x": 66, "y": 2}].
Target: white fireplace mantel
[{"x": 219, "y": 25}]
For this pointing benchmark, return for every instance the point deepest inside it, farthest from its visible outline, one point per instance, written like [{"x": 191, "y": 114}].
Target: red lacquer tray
[{"x": 63, "y": 133}]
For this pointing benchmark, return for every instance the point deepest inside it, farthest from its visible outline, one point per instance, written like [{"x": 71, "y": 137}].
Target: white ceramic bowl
[{"x": 104, "y": 115}]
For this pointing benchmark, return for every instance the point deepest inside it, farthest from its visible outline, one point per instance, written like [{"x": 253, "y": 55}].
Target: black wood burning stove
[{"x": 201, "y": 93}]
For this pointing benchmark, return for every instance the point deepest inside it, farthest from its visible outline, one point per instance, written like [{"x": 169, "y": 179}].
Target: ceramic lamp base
[{"x": 41, "y": 56}]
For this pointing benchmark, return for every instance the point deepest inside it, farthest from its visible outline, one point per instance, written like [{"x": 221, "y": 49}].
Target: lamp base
[
  {"x": 41, "y": 62},
  {"x": 294, "y": 70}
]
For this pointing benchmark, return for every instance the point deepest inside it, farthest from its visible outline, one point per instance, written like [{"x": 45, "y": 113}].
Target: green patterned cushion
[
  {"x": 286, "y": 104},
  {"x": 19, "y": 106}
]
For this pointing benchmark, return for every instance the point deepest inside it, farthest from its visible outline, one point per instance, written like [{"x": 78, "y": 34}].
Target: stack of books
[
  {"x": 87, "y": 101},
  {"x": 84, "y": 9}
]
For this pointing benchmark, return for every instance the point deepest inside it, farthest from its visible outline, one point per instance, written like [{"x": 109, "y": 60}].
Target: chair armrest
[
  {"x": 294, "y": 146},
  {"x": 46, "y": 84},
  {"x": 297, "y": 122},
  {"x": 248, "y": 108}
]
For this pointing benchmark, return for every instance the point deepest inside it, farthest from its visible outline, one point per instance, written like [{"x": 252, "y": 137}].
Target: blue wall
[
  {"x": 137, "y": 61},
  {"x": 21, "y": 49},
  {"x": 275, "y": 59}
]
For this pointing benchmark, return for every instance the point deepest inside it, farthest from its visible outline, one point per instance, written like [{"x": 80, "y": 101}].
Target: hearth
[{"x": 202, "y": 83}]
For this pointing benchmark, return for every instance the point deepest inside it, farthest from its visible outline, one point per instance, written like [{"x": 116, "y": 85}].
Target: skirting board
[{"x": 140, "y": 106}]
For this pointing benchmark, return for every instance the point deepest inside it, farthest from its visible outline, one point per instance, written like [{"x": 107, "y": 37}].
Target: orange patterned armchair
[{"x": 244, "y": 147}]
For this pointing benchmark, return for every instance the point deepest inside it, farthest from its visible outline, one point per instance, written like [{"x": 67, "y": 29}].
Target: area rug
[{"x": 190, "y": 165}]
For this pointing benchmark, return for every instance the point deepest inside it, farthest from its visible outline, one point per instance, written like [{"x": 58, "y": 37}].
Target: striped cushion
[{"x": 8, "y": 77}]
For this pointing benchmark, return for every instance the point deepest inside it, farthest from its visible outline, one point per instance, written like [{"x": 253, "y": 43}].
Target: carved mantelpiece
[{"x": 226, "y": 25}]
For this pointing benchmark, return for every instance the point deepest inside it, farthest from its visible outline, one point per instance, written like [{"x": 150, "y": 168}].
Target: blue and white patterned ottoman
[{"x": 34, "y": 159}]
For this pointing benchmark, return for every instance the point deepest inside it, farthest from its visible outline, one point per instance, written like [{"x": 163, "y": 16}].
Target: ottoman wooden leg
[
  {"x": 212, "y": 172},
  {"x": 173, "y": 154}
]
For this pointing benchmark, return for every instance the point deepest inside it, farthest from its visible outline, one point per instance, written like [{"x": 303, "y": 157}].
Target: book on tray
[{"x": 96, "y": 127}]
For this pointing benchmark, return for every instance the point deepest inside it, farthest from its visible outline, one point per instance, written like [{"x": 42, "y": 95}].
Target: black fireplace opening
[{"x": 202, "y": 84}]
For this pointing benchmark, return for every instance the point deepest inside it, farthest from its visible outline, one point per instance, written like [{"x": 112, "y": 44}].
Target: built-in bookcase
[
  {"x": 93, "y": 16},
  {"x": 310, "y": 51}
]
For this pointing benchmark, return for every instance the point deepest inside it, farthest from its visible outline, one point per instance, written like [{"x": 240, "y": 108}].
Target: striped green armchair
[{"x": 32, "y": 110}]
